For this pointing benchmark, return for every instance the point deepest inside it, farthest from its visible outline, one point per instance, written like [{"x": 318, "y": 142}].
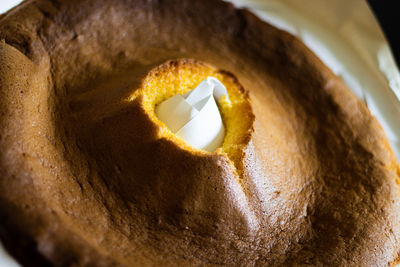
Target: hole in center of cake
[
  {"x": 179, "y": 79},
  {"x": 195, "y": 116}
]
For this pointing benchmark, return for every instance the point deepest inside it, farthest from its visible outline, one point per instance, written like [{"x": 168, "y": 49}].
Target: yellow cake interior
[{"x": 182, "y": 76}]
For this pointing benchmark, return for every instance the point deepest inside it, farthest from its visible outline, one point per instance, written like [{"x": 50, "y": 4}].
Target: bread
[{"x": 90, "y": 177}]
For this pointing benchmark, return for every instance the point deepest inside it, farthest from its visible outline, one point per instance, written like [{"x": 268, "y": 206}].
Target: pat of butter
[{"x": 195, "y": 116}]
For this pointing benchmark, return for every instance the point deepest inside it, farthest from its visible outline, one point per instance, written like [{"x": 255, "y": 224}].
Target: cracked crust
[{"x": 85, "y": 181}]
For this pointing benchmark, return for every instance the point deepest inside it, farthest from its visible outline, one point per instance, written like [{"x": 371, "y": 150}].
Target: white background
[{"x": 7, "y": 4}]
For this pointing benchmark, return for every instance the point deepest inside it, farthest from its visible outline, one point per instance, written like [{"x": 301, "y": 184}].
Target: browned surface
[{"x": 84, "y": 180}]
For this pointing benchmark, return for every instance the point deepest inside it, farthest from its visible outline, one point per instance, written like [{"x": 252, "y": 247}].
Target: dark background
[{"x": 388, "y": 15}]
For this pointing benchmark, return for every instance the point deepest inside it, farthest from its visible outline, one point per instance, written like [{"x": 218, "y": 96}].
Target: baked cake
[{"x": 90, "y": 177}]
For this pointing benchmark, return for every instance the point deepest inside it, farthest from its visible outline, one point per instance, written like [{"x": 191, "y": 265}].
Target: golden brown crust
[{"x": 85, "y": 179}]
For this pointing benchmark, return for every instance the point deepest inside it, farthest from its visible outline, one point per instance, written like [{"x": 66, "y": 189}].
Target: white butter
[{"x": 195, "y": 116}]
